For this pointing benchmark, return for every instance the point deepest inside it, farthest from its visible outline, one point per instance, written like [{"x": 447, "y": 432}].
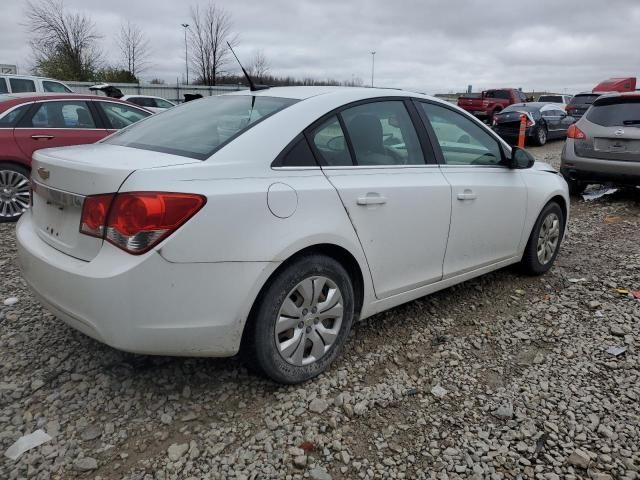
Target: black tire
[
  {"x": 261, "y": 349},
  {"x": 8, "y": 172},
  {"x": 540, "y": 135},
  {"x": 576, "y": 187},
  {"x": 531, "y": 263}
]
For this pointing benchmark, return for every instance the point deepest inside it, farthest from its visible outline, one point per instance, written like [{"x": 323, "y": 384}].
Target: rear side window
[
  {"x": 3, "y": 86},
  {"x": 55, "y": 87},
  {"x": 615, "y": 113},
  {"x": 74, "y": 114},
  {"x": 20, "y": 85},
  {"x": 10, "y": 119},
  {"x": 299, "y": 155},
  {"x": 197, "y": 129},
  {"x": 331, "y": 144}
]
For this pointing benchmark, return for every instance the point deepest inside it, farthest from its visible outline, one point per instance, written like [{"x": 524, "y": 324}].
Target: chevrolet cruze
[{"x": 269, "y": 221}]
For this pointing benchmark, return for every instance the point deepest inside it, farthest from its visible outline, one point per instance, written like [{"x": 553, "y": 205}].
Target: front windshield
[{"x": 198, "y": 128}]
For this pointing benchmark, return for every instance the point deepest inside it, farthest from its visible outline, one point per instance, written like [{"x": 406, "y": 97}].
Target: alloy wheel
[
  {"x": 542, "y": 136},
  {"x": 14, "y": 194},
  {"x": 548, "y": 238},
  {"x": 309, "y": 321}
]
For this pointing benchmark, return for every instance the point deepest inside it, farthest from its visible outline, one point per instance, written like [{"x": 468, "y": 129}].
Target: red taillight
[
  {"x": 94, "y": 214},
  {"x": 137, "y": 221},
  {"x": 575, "y": 132}
]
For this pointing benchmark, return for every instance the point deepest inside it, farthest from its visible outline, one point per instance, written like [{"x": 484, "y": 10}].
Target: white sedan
[
  {"x": 154, "y": 104},
  {"x": 271, "y": 220}
]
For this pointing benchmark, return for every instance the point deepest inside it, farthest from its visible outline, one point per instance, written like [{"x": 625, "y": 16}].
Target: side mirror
[{"x": 520, "y": 159}]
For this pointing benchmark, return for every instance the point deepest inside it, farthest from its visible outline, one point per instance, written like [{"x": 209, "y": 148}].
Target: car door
[
  {"x": 488, "y": 199},
  {"x": 394, "y": 194},
  {"x": 57, "y": 123},
  {"x": 118, "y": 115},
  {"x": 553, "y": 119}
]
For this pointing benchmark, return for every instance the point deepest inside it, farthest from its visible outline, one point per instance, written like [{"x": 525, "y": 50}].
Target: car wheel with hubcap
[
  {"x": 540, "y": 135},
  {"x": 301, "y": 319},
  {"x": 544, "y": 242},
  {"x": 15, "y": 194}
]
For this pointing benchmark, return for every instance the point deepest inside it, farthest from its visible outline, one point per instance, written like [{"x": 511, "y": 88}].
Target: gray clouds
[{"x": 426, "y": 45}]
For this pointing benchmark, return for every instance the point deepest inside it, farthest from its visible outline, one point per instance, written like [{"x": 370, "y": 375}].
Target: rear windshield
[
  {"x": 583, "y": 99},
  {"x": 550, "y": 98},
  {"x": 197, "y": 129},
  {"x": 616, "y": 112}
]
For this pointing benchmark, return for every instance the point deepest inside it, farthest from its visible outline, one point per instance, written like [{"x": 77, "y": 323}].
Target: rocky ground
[{"x": 505, "y": 376}]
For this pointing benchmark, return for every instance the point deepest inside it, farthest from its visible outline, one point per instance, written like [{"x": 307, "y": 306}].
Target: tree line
[{"x": 66, "y": 46}]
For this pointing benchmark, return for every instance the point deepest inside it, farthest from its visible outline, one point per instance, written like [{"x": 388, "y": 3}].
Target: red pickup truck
[{"x": 486, "y": 104}]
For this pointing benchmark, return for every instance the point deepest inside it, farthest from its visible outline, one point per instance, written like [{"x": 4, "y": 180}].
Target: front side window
[
  {"x": 142, "y": 101},
  {"x": 462, "y": 141},
  {"x": 10, "y": 119},
  {"x": 382, "y": 133},
  {"x": 330, "y": 143},
  {"x": 55, "y": 87},
  {"x": 120, "y": 115},
  {"x": 20, "y": 85},
  {"x": 3, "y": 86},
  {"x": 62, "y": 115},
  {"x": 204, "y": 125}
]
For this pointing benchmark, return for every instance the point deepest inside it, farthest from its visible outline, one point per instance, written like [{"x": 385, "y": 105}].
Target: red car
[
  {"x": 490, "y": 102},
  {"x": 30, "y": 121}
]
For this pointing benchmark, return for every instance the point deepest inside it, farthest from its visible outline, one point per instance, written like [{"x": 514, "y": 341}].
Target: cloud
[{"x": 425, "y": 45}]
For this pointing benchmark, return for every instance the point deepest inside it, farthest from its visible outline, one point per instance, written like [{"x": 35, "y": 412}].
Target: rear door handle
[
  {"x": 42, "y": 137},
  {"x": 467, "y": 195},
  {"x": 372, "y": 198}
]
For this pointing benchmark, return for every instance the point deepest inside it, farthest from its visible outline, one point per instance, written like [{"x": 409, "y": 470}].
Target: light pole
[
  {"x": 373, "y": 62},
  {"x": 186, "y": 57}
]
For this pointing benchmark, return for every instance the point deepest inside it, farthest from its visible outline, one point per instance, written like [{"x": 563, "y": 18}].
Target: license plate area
[
  {"x": 57, "y": 214},
  {"x": 614, "y": 145}
]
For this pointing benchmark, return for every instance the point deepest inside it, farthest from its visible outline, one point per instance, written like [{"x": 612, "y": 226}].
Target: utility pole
[
  {"x": 373, "y": 62},
  {"x": 186, "y": 56}
]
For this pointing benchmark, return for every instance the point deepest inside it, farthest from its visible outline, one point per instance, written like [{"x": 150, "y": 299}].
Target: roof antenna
[{"x": 252, "y": 86}]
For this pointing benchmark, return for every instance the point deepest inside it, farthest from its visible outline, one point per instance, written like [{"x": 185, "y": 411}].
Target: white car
[
  {"x": 12, "y": 83},
  {"x": 155, "y": 104},
  {"x": 272, "y": 219},
  {"x": 555, "y": 98}
]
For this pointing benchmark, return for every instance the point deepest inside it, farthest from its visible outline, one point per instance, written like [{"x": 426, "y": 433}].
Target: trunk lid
[{"x": 63, "y": 177}]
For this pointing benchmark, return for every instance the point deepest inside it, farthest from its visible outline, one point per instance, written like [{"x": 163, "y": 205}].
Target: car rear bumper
[
  {"x": 597, "y": 170},
  {"x": 143, "y": 304}
]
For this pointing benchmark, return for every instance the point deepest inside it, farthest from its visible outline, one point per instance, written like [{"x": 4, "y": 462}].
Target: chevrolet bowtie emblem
[{"x": 44, "y": 173}]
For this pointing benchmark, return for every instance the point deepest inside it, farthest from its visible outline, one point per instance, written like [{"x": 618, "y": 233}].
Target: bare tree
[
  {"x": 63, "y": 43},
  {"x": 210, "y": 31},
  {"x": 259, "y": 66},
  {"x": 134, "y": 49}
]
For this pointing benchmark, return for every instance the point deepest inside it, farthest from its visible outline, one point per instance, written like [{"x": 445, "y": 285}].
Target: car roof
[
  {"x": 303, "y": 93},
  {"x": 13, "y": 99},
  {"x": 29, "y": 76}
]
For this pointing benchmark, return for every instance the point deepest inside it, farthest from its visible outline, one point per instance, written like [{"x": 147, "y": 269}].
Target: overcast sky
[{"x": 426, "y": 45}]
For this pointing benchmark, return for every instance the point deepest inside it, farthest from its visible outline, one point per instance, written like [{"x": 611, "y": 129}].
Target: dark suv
[{"x": 580, "y": 103}]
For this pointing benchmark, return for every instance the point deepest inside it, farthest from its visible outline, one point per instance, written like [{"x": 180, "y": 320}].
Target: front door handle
[
  {"x": 467, "y": 195},
  {"x": 42, "y": 137},
  {"x": 372, "y": 198}
]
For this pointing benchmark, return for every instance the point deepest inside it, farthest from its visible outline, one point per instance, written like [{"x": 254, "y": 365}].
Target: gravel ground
[{"x": 504, "y": 376}]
